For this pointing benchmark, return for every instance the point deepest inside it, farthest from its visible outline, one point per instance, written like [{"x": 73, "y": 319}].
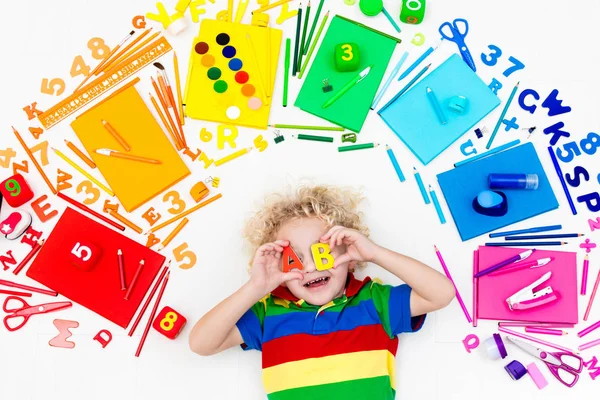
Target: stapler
[{"x": 527, "y": 298}]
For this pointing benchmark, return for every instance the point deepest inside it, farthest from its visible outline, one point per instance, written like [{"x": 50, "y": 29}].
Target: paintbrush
[{"x": 171, "y": 99}]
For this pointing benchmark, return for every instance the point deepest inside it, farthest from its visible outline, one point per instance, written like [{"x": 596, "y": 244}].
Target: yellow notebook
[
  {"x": 227, "y": 81},
  {"x": 133, "y": 182}
]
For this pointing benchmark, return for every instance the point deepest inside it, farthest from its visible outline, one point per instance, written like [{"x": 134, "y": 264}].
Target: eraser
[{"x": 535, "y": 374}]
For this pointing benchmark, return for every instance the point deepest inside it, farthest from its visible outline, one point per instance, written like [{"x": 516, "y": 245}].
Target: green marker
[
  {"x": 286, "y": 76},
  {"x": 357, "y": 147},
  {"x": 348, "y": 86},
  {"x": 315, "y": 138}
]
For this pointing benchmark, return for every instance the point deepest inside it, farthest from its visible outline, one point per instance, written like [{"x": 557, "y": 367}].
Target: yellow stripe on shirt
[{"x": 330, "y": 369}]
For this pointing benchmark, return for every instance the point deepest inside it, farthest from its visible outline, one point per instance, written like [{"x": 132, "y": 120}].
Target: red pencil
[
  {"x": 149, "y": 298},
  {"x": 152, "y": 314},
  {"x": 11, "y": 293},
  {"x": 29, "y": 256},
  {"x": 89, "y": 210},
  {"x": 121, "y": 269},
  {"x": 134, "y": 280},
  {"x": 30, "y": 288}
]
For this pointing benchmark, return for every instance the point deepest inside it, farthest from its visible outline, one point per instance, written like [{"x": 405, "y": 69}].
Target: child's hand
[
  {"x": 266, "y": 275},
  {"x": 358, "y": 247}
]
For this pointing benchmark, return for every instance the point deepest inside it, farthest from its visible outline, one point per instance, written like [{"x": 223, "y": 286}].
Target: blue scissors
[{"x": 456, "y": 32}]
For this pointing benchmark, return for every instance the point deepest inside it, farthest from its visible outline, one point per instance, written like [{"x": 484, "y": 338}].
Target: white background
[{"x": 556, "y": 42}]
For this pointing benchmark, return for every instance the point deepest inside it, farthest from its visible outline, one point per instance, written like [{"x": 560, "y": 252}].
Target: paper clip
[
  {"x": 349, "y": 137},
  {"x": 215, "y": 181}
]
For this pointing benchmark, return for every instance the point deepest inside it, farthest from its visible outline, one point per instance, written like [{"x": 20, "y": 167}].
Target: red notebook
[{"x": 97, "y": 286}]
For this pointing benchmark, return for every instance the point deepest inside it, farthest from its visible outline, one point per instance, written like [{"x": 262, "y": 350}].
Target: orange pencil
[
  {"x": 118, "y": 63},
  {"x": 124, "y": 221},
  {"x": 37, "y": 165},
  {"x": 171, "y": 98},
  {"x": 116, "y": 135},
  {"x": 123, "y": 51},
  {"x": 185, "y": 213},
  {"x": 152, "y": 314},
  {"x": 126, "y": 156},
  {"x": 172, "y": 235},
  {"x": 80, "y": 154},
  {"x": 34, "y": 250},
  {"x": 164, "y": 121},
  {"x": 166, "y": 111},
  {"x": 178, "y": 87}
]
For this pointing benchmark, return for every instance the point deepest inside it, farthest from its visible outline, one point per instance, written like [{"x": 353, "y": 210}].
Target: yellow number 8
[
  {"x": 168, "y": 321},
  {"x": 348, "y": 51}
]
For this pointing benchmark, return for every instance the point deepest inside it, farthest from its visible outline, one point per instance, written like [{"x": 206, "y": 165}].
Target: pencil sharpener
[
  {"x": 199, "y": 191},
  {"x": 458, "y": 104},
  {"x": 491, "y": 203},
  {"x": 85, "y": 255}
]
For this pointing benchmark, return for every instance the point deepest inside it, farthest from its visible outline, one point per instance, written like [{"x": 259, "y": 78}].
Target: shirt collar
[{"x": 353, "y": 286}]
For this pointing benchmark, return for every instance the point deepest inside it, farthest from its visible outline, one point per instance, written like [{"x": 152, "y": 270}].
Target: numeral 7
[{"x": 517, "y": 66}]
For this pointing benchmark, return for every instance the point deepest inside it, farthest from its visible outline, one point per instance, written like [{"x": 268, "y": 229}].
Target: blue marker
[{"x": 419, "y": 61}]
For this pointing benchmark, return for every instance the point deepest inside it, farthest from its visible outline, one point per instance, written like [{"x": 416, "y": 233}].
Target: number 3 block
[
  {"x": 169, "y": 322},
  {"x": 16, "y": 191},
  {"x": 347, "y": 57}
]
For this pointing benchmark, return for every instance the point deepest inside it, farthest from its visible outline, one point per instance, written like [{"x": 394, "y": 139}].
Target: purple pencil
[
  {"x": 458, "y": 297},
  {"x": 589, "y": 329}
]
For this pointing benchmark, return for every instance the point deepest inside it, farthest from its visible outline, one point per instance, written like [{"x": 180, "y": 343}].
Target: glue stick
[{"x": 513, "y": 181}]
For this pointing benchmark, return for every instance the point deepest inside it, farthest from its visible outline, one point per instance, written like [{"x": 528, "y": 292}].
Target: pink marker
[
  {"x": 536, "y": 340},
  {"x": 545, "y": 331},
  {"x": 589, "y": 329},
  {"x": 460, "y": 300},
  {"x": 586, "y": 266},
  {"x": 522, "y": 265}
]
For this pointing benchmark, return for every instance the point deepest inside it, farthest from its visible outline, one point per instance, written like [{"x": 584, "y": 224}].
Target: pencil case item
[
  {"x": 458, "y": 104},
  {"x": 513, "y": 181},
  {"x": 491, "y": 203},
  {"x": 516, "y": 370},
  {"x": 495, "y": 348}
]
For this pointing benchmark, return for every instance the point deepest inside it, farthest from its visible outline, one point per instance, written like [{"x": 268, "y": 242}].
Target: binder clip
[
  {"x": 326, "y": 86},
  {"x": 480, "y": 132},
  {"x": 278, "y": 136},
  {"x": 215, "y": 181},
  {"x": 528, "y": 298},
  {"x": 349, "y": 137},
  {"x": 530, "y": 130}
]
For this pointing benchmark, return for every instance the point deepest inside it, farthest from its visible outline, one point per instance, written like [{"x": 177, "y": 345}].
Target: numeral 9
[{"x": 13, "y": 187}]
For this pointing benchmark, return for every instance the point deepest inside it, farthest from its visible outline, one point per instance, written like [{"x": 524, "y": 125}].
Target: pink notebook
[{"x": 494, "y": 290}]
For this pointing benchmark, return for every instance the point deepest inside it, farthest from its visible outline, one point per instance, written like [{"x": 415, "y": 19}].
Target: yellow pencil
[
  {"x": 185, "y": 213},
  {"x": 178, "y": 84},
  {"x": 126, "y": 156},
  {"x": 273, "y": 5},
  {"x": 241, "y": 11},
  {"x": 255, "y": 61},
  {"x": 230, "y": 11},
  {"x": 172, "y": 235},
  {"x": 78, "y": 168},
  {"x": 233, "y": 156}
]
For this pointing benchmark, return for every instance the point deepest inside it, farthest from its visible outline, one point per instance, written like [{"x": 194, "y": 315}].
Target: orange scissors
[{"x": 24, "y": 311}]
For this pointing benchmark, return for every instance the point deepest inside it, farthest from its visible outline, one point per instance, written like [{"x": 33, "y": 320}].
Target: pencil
[
  {"x": 313, "y": 45},
  {"x": 125, "y": 156},
  {"x": 136, "y": 276},
  {"x": 562, "y": 179},
  {"x": 121, "y": 269},
  {"x": 316, "y": 138},
  {"x": 404, "y": 89},
  {"x": 435, "y": 104},
  {"x": 84, "y": 173},
  {"x": 529, "y": 244},
  {"x": 34, "y": 161},
  {"x": 584, "y": 277},
  {"x": 592, "y": 297},
  {"x": 506, "y": 106},
  {"x": 535, "y": 324},
  {"x": 394, "y": 161},
  {"x": 34, "y": 250},
  {"x": 165, "y": 84},
  {"x": 545, "y": 331},
  {"x": 271, "y": 6},
  {"x": 488, "y": 153},
  {"x": 164, "y": 121},
  {"x": 417, "y": 62},
  {"x": 353, "y": 147},
  {"x": 535, "y": 340},
  {"x": 286, "y": 75},
  {"x": 475, "y": 286},
  {"x": 436, "y": 204},
  {"x": 129, "y": 50},
  {"x": 395, "y": 39},
  {"x": 391, "y": 19},
  {"x": 312, "y": 28},
  {"x": 589, "y": 345},
  {"x": 90, "y": 211},
  {"x": 172, "y": 235},
  {"x": 13, "y": 293},
  {"x": 30, "y": 288},
  {"x": 185, "y": 213},
  {"x": 80, "y": 154},
  {"x": 421, "y": 185},
  {"x": 303, "y": 42},
  {"x": 116, "y": 135},
  {"x": 178, "y": 87},
  {"x": 149, "y": 298},
  {"x": 535, "y": 237},
  {"x": 528, "y": 230},
  {"x": 165, "y": 109},
  {"x": 124, "y": 221},
  {"x": 308, "y": 127},
  {"x": 588, "y": 330},
  {"x": 241, "y": 11},
  {"x": 389, "y": 80},
  {"x": 230, "y": 10},
  {"x": 152, "y": 314},
  {"x": 233, "y": 156},
  {"x": 255, "y": 60},
  {"x": 447, "y": 272},
  {"x": 298, "y": 26},
  {"x": 110, "y": 60}
]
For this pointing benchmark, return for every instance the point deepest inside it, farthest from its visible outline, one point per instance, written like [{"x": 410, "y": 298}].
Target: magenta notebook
[{"x": 494, "y": 290}]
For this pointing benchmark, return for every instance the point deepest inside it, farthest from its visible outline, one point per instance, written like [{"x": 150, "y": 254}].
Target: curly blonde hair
[{"x": 332, "y": 204}]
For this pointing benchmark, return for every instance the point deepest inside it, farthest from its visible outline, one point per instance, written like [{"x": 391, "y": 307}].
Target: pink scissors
[{"x": 25, "y": 311}]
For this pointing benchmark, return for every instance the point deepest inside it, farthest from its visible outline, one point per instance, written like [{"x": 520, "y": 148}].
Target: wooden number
[
  {"x": 79, "y": 67},
  {"x": 491, "y": 59},
  {"x": 517, "y": 65},
  {"x": 88, "y": 188},
  {"x": 99, "y": 49},
  {"x": 13, "y": 187},
  {"x": 348, "y": 52},
  {"x": 175, "y": 199},
  {"x": 168, "y": 322},
  {"x": 42, "y": 147},
  {"x": 5, "y": 156},
  {"x": 79, "y": 250},
  {"x": 180, "y": 253},
  {"x": 49, "y": 87}
]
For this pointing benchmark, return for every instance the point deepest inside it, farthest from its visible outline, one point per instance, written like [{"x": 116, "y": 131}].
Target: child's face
[{"x": 303, "y": 233}]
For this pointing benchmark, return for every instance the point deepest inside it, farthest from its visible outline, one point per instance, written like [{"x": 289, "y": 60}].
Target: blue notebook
[
  {"x": 462, "y": 184},
  {"x": 413, "y": 120}
]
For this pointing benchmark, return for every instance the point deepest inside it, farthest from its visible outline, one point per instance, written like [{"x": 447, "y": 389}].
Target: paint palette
[{"x": 229, "y": 75}]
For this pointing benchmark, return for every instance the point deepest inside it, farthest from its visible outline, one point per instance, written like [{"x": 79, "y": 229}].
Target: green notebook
[{"x": 350, "y": 111}]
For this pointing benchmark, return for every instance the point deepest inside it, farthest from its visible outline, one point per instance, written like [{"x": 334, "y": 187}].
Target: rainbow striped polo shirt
[{"x": 342, "y": 350}]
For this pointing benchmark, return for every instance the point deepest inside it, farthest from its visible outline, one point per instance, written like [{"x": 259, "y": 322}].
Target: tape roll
[
  {"x": 516, "y": 370},
  {"x": 412, "y": 11},
  {"x": 371, "y": 7}
]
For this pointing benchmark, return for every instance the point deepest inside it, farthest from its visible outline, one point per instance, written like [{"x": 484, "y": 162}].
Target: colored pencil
[
  {"x": 315, "y": 138},
  {"x": 241, "y": 11},
  {"x": 592, "y": 297},
  {"x": 286, "y": 75},
  {"x": 30, "y": 288},
  {"x": 186, "y": 213},
  {"x": 261, "y": 80},
  {"x": 389, "y": 80},
  {"x": 475, "y": 287},
  {"x": 90, "y": 211},
  {"x": 589, "y": 329},
  {"x": 395, "y": 39},
  {"x": 528, "y": 230},
  {"x": 404, "y": 89},
  {"x": 165, "y": 108},
  {"x": 545, "y": 331},
  {"x": 312, "y": 28},
  {"x": 584, "y": 277},
  {"x": 174, "y": 233},
  {"x": 164, "y": 121},
  {"x": 303, "y": 41},
  {"x": 126, "y": 156},
  {"x": 165, "y": 84},
  {"x": 83, "y": 172},
  {"x": 121, "y": 269},
  {"x": 394, "y": 161},
  {"x": 421, "y": 186},
  {"x": 34, "y": 250},
  {"x": 230, "y": 10},
  {"x": 510, "y": 260},
  {"x": 271, "y": 6},
  {"x": 535, "y": 237},
  {"x": 233, "y": 156},
  {"x": 124, "y": 52},
  {"x": 488, "y": 153},
  {"x": 391, "y": 19},
  {"x": 124, "y": 221},
  {"x": 13, "y": 293},
  {"x": 34, "y": 161},
  {"x": 589, "y": 345},
  {"x": 435, "y": 104},
  {"x": 535, "y": 340},
  {"x": 353, "y": 147},
  {"x": 506, "y": 107},
  {"x": 417, "y": 62},
  {"x": 152, "y": 314},
  {"x": 298, "y": 26},
  {"x": 308, "y": 127},
  {"x": 313, "y": 45},
  {"x": 447, "y": 272},
  {"x": 178, "y": 87},
  {"x": 136, "y": 276},
  {"x": 349, "y": 85},
  {"x": 149, "y": 298},
  {"x": 436, "y": 204},
  {"x": 80, "y": 154},
  {"x": 529, "y": 244},
  {"x": 562, "y": 179},
  {"x": 535, "y": 324}
]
